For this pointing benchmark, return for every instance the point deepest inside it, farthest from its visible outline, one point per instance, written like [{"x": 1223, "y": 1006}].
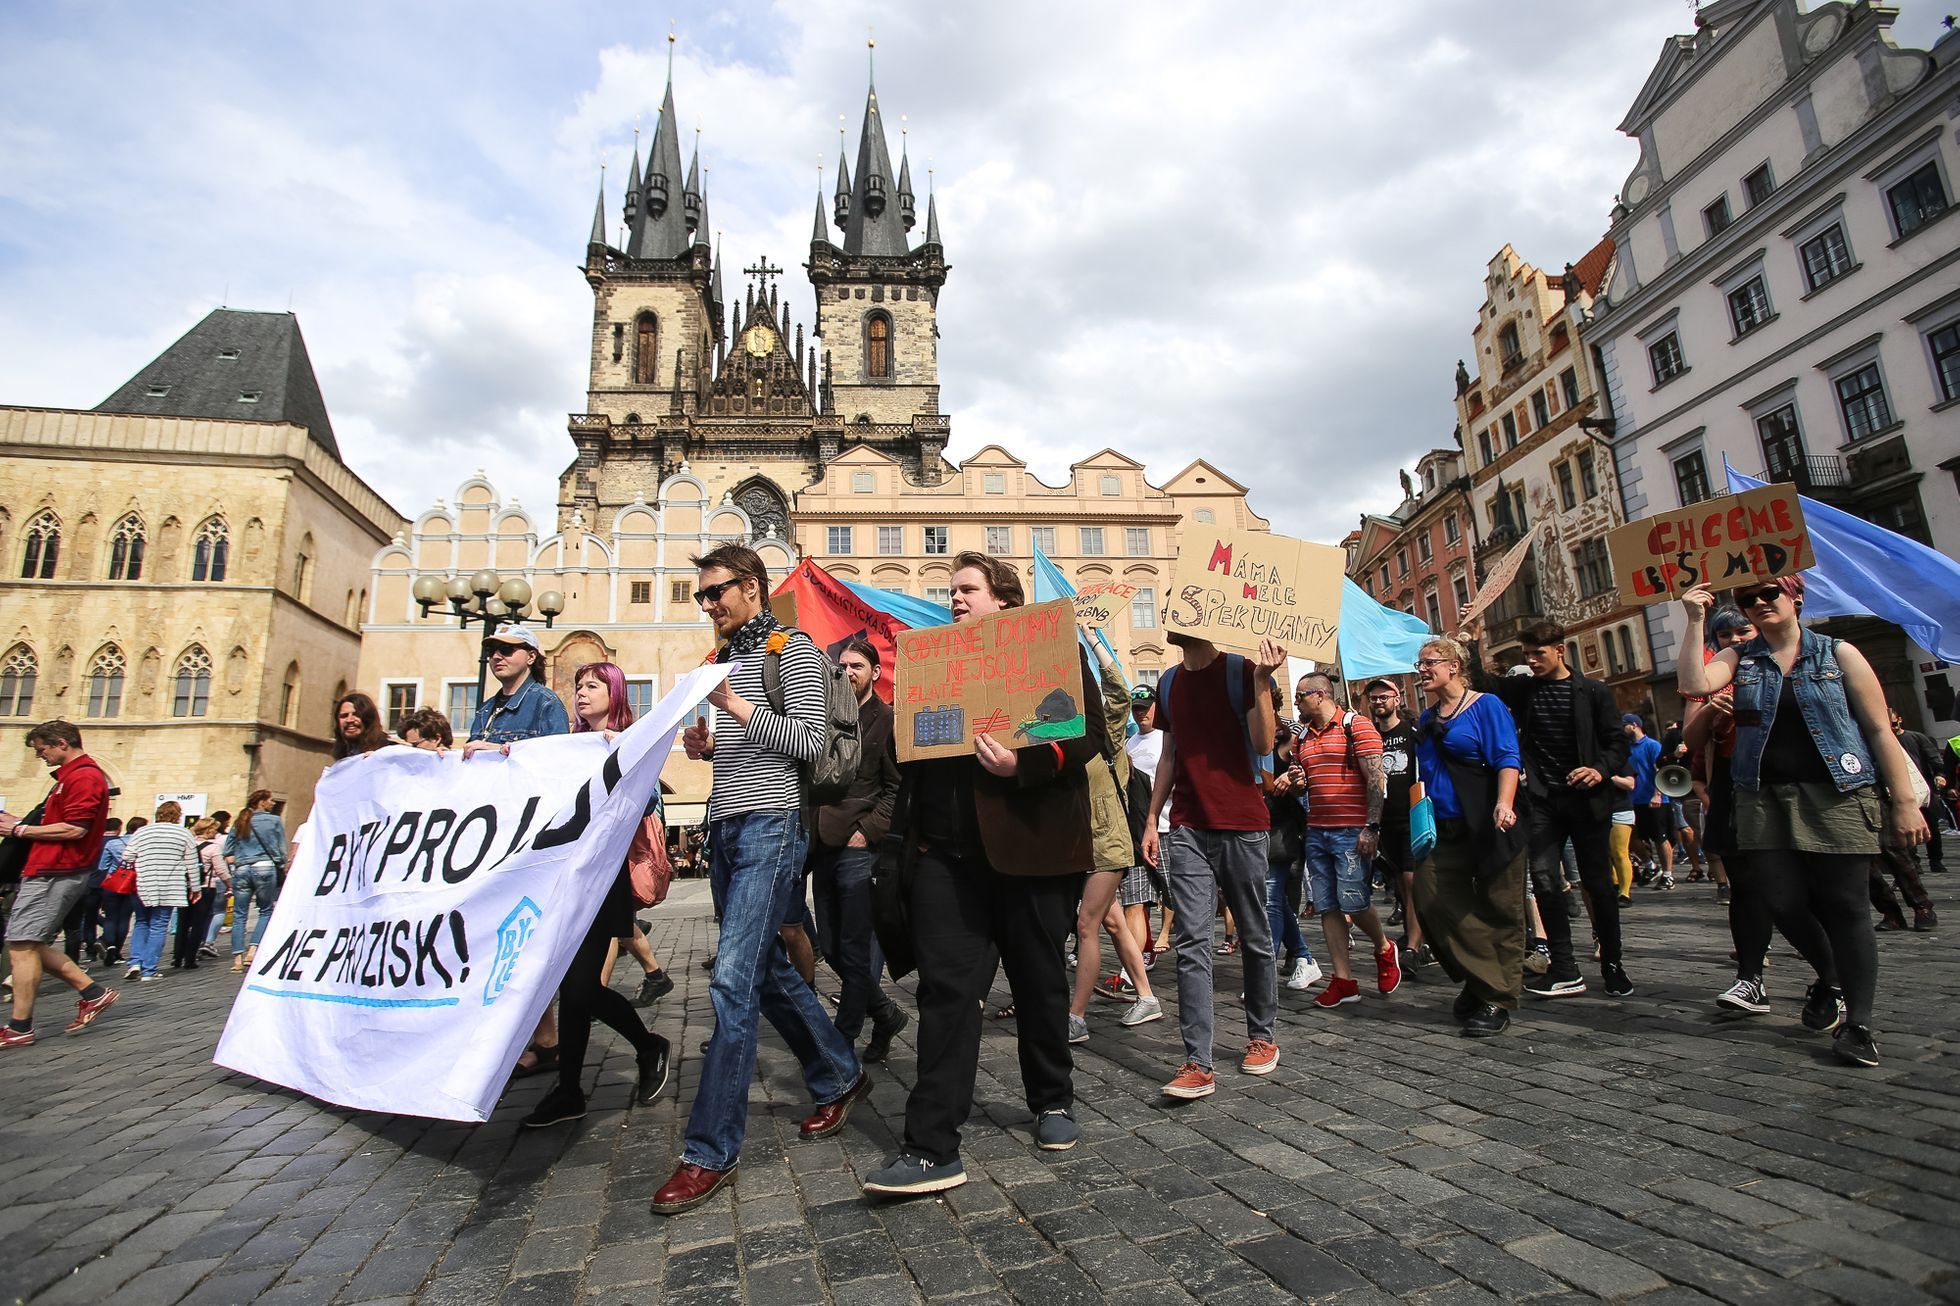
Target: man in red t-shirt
[
  {"x": 66, "y": 842},
  {"x": 1215, "y": 732},
  {"x": 1340, "y": 756}
]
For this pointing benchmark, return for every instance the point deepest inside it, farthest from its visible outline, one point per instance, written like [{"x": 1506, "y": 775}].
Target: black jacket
[
  {"x": 867, "y": 806},
  {"x": 1602, "y": 744}
]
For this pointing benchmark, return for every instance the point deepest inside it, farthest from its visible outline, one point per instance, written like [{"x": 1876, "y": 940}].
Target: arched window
[
  {"x": 646, "y": 348},
  {"x": 878, "y": 346},
  {"x": 126, "y": 549},
  {"x": 303, "y": 569},
  {"x": 211, "y": 552},
  {"x": 18, "y": 672},
  {"x": 105, "y": 682},
  {"x": 43, "y": 547},
  {"x": 289, "y": 697},
  {"x": 193, "y": 689}
]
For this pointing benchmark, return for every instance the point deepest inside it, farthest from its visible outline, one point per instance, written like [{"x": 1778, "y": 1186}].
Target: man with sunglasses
[
  {"x": 523, "y": 707},
  {"x": 1572, "y": 740},
  {"x": 1398, "y": 734},
  {"x": 1340, "y": 756}
]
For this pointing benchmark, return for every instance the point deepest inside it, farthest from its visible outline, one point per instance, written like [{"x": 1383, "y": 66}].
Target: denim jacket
[
  {"x": 1818, "y": 682},
  {"x": 532, "y": 711}
]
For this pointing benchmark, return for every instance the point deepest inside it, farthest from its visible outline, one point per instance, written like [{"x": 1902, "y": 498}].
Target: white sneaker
[
  {"x": 1078, "y": 1028},
  {"x": 1306, "y": 974},
  {"x": 1143, "y": 1011},
  {"x": 134, "y": 972}
]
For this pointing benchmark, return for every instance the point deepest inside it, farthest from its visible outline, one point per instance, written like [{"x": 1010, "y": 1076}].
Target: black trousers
[
  {"x": 1903, "y": 864},
  {"x": 1561, "y": 815},
  {"x": 969, "y": 920},
  {"x": 1819, "y": 902},
  {"x": 582, "y": 998},
  {"x": 842, "y": 879},
  {"x": 192, "y": 921},
  {"x": 1750, "y": 925}
]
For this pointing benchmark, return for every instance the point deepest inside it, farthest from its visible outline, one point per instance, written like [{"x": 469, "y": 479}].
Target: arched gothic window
[
  {"x": 303, "y": 569},
  {"x": 646, "y": 348},
  {"x": 126, "y": 549},
  {"x": 193, "y": 688},
  {"x": 289, "y": 696},
  {"x": 878, "y": 346},
  {"x": 18, "y": 672},
  {"x": 42, "y": 548},
  {"x": 105, "y": 682},
  {"x": 768, "y": 510},
  {"x": 211, "y": 552}
]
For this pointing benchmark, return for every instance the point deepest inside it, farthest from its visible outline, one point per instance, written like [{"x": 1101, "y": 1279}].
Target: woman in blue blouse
[{"x": 1470, "y": 889}]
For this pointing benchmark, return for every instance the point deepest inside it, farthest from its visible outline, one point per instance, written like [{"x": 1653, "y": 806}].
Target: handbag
[
  {"x": 120, "y": 880},
  {"x": 1422, "y": 823},
  {"x": 648, "y": 867}
]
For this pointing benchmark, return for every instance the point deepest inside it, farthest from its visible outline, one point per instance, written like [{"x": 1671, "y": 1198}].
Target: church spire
[
  {"x": 820, "y": 235},
  {"x": 932, "y": 221},
  {"x": 633, "y": 182},
  {"x": 843, "y": 182},
  {"x": 691, "y": 197},
  {"x": 662, "y": 229},
  {"x": 598, "y": 239},
  {"x": 873, "y": 225},
  {"x": 906, "y": 212}
]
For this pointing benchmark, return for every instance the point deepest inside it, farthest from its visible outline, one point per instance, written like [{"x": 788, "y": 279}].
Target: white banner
[{"x": 432, "y": 908}]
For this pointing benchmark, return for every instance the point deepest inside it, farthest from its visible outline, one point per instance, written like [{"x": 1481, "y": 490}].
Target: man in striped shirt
[
  {"x": 757, "y": 840},
  {"x": 1340, "y": 754}
]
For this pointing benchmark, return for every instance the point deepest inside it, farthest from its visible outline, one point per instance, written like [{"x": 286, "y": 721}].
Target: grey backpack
[{"x": 828, "y": 779}]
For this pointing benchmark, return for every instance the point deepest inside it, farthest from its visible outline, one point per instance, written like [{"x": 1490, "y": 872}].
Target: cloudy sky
[{"x": 1259, "y": 238}]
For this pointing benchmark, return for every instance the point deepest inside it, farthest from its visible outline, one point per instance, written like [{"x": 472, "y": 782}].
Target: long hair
[
  {"x": 372, "y": 734},
  {"x": 620, "y": 714},
  {"x": 242, "y": 824}
]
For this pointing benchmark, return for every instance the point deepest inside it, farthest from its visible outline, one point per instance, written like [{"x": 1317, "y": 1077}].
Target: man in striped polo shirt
[
  {"x": 756, "y": 841},
  {"x": 1340, "y": 754}
]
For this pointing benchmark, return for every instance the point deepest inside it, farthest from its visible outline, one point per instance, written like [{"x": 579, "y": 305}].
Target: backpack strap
[
  {"x": 1235, "y": 674},
  {"x": 772, "y": 667},
  {"x": 1164, "y": 696},
  {"x": 1347, "y": 726}
]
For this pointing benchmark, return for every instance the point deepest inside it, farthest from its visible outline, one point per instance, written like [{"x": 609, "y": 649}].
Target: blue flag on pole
[
  {"x": 1051, "y": 584},
  {"x": 1377, "y": 640},
  {"x": 1866, "y": 570},
  {"x": 914, "y": 613}
]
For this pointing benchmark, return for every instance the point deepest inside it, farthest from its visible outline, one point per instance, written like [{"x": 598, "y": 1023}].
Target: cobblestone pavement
[{"x": 1639, "y": 1149}]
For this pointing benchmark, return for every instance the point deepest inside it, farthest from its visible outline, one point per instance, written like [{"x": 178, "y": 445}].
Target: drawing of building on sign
[{"x": 933, "y": 726}]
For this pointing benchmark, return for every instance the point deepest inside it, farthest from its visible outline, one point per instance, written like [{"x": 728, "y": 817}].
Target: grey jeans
[{"x": 1202, "y": 864}]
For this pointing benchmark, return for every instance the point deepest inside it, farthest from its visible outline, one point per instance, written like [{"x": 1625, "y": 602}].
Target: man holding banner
[{"x": 757, "y": 841}]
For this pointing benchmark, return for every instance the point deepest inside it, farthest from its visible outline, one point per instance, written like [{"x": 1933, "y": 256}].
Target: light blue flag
[
  {"x": 1051, "y": 584},
  {"x": 1866, "y": 570},
  {"x": 1377, "y": 640},
  {"x": 915, "y": 613}
]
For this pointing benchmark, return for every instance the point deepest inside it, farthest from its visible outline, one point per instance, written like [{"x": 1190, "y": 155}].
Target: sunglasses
[
  {"x": 1309, "y": 693},
  {"x": 712, "y": 593},
  {"x": 1426, "y": 663},
  {"x": 1750, "y": 598}
]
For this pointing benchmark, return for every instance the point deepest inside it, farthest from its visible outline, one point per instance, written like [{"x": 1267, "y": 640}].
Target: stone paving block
[
  {"x": 549, "y": 1251},
  {"x": 394, "y": 1272},
  {"x": 1299, "y": 1267},
  {"x": 702, "y": 1267},
  {"x": 557, "y": 1289},
  {"x": 1586, "y": 1267},
  {"x": 1053, "y": 1283},
  {"x": 1390, "y": 1265},
  {"x": 1849, "y": 1284}
]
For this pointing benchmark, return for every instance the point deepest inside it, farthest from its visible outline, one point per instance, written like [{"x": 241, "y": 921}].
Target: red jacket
[{"x": 80, "y": 797}]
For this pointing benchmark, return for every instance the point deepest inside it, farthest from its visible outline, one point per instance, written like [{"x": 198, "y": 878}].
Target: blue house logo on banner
[{"x": 512, "y": 935}]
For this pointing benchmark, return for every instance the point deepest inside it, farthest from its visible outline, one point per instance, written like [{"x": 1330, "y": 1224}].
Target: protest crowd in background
[{"x": 1494, "y": 834}]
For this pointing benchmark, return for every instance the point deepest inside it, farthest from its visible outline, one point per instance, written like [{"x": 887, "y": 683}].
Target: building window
[
  {"x": 878, "y": 346},
  {"x": 1136, "y": 541},
  {"x": 639, "y": 696},
  {"x": 1716, "y": 216},
  {"x": 1612, "y": 655},
  {"x": 1541, "y": 412},
  {"x": 640, "y": 592},
  {"x": 619, "y": 341},
  {"x": 462, "y": 706},
  {"x": 1917, "y": 200},
  {"x": 1092, "y": 541},
  {"x": 1568, "y": 497},
  {"x": 1044, "y": 540},
  {"x": 1434, "y": 607},
  {"x": 248, "y": 396},
  {"x": 303, "y": 569},
  {"x": 863, "y": 483},
  {"x": 1510, "y": 350},
  {"x": 1568, "y": 381},
  {"x": 105, "y": 683},
  {"x": 837, "y": 541},
  {"x": 1627, "y": 658},
  {"x": 1000, "y": 540},
  {"x": 1461, "y": 587},
  {"x": 1510, "y": 431},
  {"x": 192, "y": 690},
  {"x": 402, "y": 699},
  {"x": 1588, "y": 483},
  {"x": 1691, "y": 477},
  {"x": 1902, "y": 515},
  {"x": 1451, "y": 531},
  {"x": 1945, "y": 344},
  {"x": 42, "y": 548},
  {"x": 680, "y": 591},
  {"x": 1782, "y": 444},
  {"x": 1111, "y": 487},
  {"x": 935, "y": 539},
  {"x": 1665, "y": 356},
  {"x": 646, "y": 349},
  {"x": 1143, "y": 608},
  {"x": 211, "y": 551},
  {"x": 1517, "y": 512},
  {"x": 994, "y": 483},
  {"x": 289, "y": 697},
  {"x": 1826, "y": 257},
  {"x": 1590, "y": 566},
  {"x": 1424, "y": 550},
  {"x": 1385, "y": 580},
  {"x": 891, "y": 540},
  {"x": 1203, "y": 515},
  {"x": 126, "y": 549},
  {"x": 1402, "y": 561},
  {"x": 940, "y": 594},
  {"x": 1749, "y": 305},
  {"x": 1861, "y": 397},
  {"x": 1149, "y": 676},
  {"x": 1483, "y": 447},
  {"x": 1758, "y": 186},
  {"x": 17, "y": 676}
]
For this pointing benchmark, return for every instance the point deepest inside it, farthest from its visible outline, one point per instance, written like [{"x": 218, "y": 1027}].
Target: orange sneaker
[
  {"x": 1192, "y": 1080},
  {"x": 1260, "y": 1058},
  {"x": 1388, "y": 970}
]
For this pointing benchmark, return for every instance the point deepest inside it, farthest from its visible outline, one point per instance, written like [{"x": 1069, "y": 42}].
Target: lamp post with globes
[{"x": 498, "y": 602}]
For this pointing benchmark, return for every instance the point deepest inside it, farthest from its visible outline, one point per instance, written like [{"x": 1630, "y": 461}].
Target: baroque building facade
[
  {"x": 185, "y": 572},
  {"x": 1417, "y": 557}
]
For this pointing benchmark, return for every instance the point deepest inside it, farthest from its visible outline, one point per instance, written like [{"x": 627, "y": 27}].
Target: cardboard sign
[
  {"x": 1723, "y": 542},
  {"x": 782, "y": 606},
  {"x": 1015, "y": 675},
  {"x": 1097, "y": 605},
  {"x": 1236, "y": 588}
]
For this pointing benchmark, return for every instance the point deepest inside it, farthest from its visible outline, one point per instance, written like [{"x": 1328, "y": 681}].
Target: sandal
[
  {"x": 1005, "y": 1013},
  {"x": 544, "y": 1059}
]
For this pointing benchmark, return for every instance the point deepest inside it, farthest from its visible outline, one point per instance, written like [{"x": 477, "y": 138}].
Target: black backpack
[{"x": 828, "y": 779}]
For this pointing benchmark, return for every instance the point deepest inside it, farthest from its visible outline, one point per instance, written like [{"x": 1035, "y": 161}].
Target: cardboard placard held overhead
[
  {"x": 1236, "y": 588},
  {"x": 782, "y": 606},
  {"x": 1015, "y": 675},
  {"x": 1097, "y": 605},
  {"x": 1723, "y": 542}
]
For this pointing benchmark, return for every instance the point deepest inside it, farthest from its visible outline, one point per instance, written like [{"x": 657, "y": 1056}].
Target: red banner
[{"x": 833, "y": 616}]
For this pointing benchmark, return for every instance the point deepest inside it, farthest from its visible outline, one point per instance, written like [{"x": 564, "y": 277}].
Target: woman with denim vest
[{"x": 1811, "y": 748}]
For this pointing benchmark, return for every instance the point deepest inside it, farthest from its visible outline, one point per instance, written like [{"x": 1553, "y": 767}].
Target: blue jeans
[
  {"x": 117, "y": 908},
  {"x": 1337, "y": 875},
  {"x": 258, "y": 883},
  {"x": 754, "y": 868},
  {"x": 146, "y": 940},
  {"x": 1287, "y": 938}
]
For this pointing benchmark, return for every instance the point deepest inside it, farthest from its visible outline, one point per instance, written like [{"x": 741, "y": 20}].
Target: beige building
[{"x": 186, "y": 566}]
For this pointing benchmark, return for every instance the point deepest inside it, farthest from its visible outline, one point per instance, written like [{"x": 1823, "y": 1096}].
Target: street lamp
[{"x": 498, "y": 602}]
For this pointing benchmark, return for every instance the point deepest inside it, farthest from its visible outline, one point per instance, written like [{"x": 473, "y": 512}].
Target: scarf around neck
[{"x": 751, "y": 634}]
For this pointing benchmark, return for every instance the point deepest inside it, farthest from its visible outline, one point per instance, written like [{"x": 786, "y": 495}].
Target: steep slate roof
[
  {"x": 198, "y": 381},
  {"x": 663, "y": 235},
  {"x": 1591, "y": 270},
  {"x": 866, "y": 232}
]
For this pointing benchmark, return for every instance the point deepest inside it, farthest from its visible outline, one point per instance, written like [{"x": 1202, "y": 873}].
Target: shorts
[
  {"x": 1338, "y": 876},
  {"x": 42, "y": 904},
  {"x": 1651, "y": 824},
  {"x": 1137, "y": 889},
  {"x": 1392, "y": 853},
  {"x": 1677, "y": 818}
]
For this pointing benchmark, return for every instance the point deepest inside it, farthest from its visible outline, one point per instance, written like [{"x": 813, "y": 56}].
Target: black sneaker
[
  {"x": 1823, "y": 1007},
  {"x": 1465, "y": 1004},
  {"x": 1617, "y": 983},
  {"x": 560, "y": 1105},
  {"x": 1546, "y": 986},
  {"x": 653, "y": 1071},
  {"x": 1056, "y": 1131},
  {"x": 914, "y": 1174},
  {"x": 1721, "y": 895},
  {"x": 882, "y": 1033},
  {"x": 657, "y": 985},
  {"x": 1572, "y": 904},
  {"x": 1486, "y": 1020},
  {"x": 1854, "y": 1045}
]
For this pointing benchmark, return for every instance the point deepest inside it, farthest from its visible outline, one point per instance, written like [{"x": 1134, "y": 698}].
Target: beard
[{"x": 1178, "y": 639}]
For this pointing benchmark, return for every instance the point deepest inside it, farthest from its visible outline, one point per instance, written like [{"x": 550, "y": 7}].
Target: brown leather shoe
[
  {"x": 830, "y": 1117},
  {"x": 688, "y": 1187}
]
